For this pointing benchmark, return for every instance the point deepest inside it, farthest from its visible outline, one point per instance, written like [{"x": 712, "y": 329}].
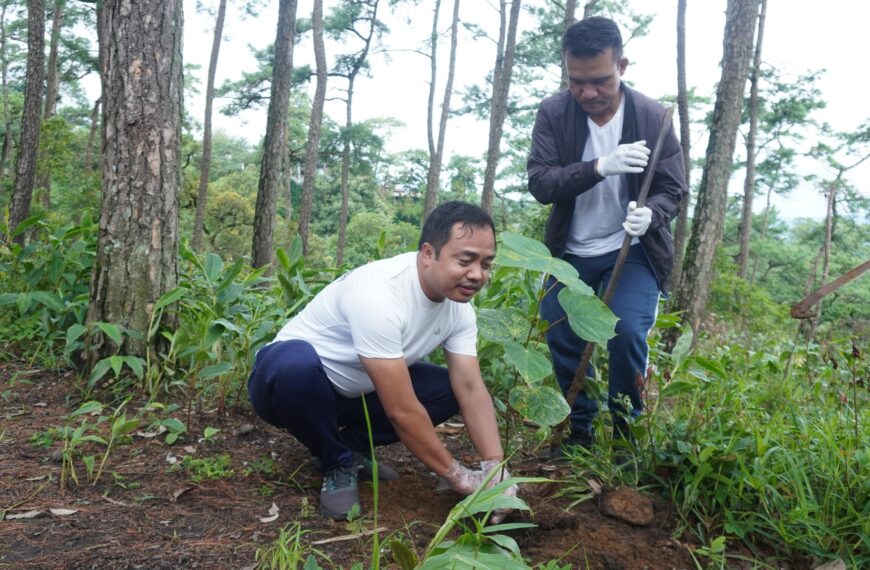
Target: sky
[{"x": 799, "y": 36}]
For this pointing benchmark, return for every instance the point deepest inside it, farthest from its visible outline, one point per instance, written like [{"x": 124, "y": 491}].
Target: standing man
[
  {"x": 589, "y": 149},
  {"x": 363, "y": 336}
]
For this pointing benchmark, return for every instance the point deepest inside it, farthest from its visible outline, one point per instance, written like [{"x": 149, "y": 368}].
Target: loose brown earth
[{"x": 146, "y": 513}]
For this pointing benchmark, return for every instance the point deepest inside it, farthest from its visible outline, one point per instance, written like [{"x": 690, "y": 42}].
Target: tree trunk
[
  {"x": 25, "y": 167},
  {"x": 358, "y": 62},
  {"x": 7, "y": 116},
  {"x": 92, "y": 132},
  {"x": 567, "y": 20},
  {"x": 501, "y": 82},
  {"x": 749, "y": 183},
  {"x": 137, "y": 250},
  {"x": 693, "y": 289},
  {"x": 275, "y": 144},
  {"x": 53, "y": 73},
  {"x": 43, "y": 182},
  {"x": 436, "y": 147},
  {"x": 205, "y": 161},
  {"x": 314, "y": 125},
  {"x": 682, "y": 224}
]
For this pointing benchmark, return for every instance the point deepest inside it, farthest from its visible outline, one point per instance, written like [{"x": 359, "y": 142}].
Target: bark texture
[
  {"x": 4, "y": 85},
  {"x": 749, "y": 182},
  {"x": 205, "y": 161},
  {"x": 501, "y": 82},
  {"x": 693, "y": 290},
  {"x": 682, "y": 225},
  {"x": 25, "y": 166},
  {"x": 137, "y": 251},
  {"x": 568, "y": 19},
  {"x": 275, "y": 144},
  {"x": 315, "y": 124}
]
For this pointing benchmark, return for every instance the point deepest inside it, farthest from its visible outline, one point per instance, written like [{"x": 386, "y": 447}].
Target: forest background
[{"x": 153, "y": 238}]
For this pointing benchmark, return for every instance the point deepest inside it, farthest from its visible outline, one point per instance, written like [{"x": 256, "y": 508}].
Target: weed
[
  {"x": 261, "y": 466},
  {"x": 289, "y": 551},
  {"x": 215, "y": 467},
  {"x": 266, "y": 490},
  {"x": 45, "y": 439}
]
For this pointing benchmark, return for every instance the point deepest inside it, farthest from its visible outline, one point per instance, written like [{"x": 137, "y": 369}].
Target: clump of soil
[{"x": 146, "y": 512}]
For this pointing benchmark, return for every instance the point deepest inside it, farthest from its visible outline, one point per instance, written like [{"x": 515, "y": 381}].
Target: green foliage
[
  {"x": 512, "y": 352},
  {"x": 750, "y": 452},
  {"x": 216, "y": 467},
  {"x": 289, "y": 551}
]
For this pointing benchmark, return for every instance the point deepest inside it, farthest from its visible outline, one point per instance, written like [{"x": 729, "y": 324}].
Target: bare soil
[{"x": 147, "y": 513}]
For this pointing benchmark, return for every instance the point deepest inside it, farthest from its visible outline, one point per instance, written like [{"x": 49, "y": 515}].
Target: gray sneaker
[
  {"x": 339, "y": 492},
  {"x": 385, "y": 472}
]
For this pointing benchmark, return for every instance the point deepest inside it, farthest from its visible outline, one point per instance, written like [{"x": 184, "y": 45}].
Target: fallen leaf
[
  {"x": 63, "y": 512},
  {"x": 25, "y": 515},
  {"x": 180, "y": 492},
  {"x": 273, "y": 514},
  {"x": 171, "y": 459},
  {"x": 243, "y": 430},
  {"x": 37, "y": 478},
  {"x": 40, "y": 404},
  {"x": 190, "y": 449},
  {"x": 149, "y": 434},
  {"x": 594, "y": 486}
]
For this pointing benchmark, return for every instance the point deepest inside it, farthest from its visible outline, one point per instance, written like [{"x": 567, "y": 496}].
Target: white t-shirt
[
  {"x": 596, "y": 227},
  {"x": 379, "y": 310}
]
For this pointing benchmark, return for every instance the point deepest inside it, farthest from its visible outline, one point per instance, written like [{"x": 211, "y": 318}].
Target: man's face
[
  {"x": 462, "y": 266},
  {"x": 594, "y": 83}
]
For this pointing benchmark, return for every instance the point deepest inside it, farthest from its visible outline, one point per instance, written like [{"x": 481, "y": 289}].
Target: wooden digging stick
[{"x": 580, "y": 374}]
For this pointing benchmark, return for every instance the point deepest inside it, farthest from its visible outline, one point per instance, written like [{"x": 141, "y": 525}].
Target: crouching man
[{"x": 363, "y": 337}]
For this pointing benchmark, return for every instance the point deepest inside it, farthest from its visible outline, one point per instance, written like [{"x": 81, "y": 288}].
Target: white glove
[
  {"x": 486, "y": 467},
  {"x": 462, "y": 479},
  {"x": 626, "y": 159},
  {"x": 637, "y": 220}
]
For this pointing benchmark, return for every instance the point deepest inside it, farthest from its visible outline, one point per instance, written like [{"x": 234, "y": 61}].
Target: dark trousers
[
  {"x": 289, "y": 389},
  {"x": 635, "y": 302}
]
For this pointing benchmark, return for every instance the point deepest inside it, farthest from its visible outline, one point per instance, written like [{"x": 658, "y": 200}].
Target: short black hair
[
  {"x": 436, "y": 230},
  {"x": 591, "y": 37}
]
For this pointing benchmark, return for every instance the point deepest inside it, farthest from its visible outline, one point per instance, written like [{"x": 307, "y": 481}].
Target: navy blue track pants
[
  {"x": 635, "y": 302},
  {"x": 289, "y": 389}
]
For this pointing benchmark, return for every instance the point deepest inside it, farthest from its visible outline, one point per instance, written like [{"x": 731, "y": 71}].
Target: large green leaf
[
  {"x": 214, "y": 266},
  {"x": 502, "y": 325},
  {"x": 541, "y": 404},
  {"x": 588, "y": 316},
  {"x": 526, "y": 253},
  {"x": 214, "y": 370},
  {"x": 531, "y": 364}
]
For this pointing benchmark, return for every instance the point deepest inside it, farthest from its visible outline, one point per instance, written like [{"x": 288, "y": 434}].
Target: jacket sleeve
[
  {"x": 549, "y": 180},
  {"x": 668, "y": 187}
]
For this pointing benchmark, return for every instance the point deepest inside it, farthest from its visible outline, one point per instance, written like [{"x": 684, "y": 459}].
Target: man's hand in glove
[
  {"x": 462, "y": 479},
  {"x": 626, "y": 159},
  {"x": 501, "y": 474},
  {"x": 637, "y": 220}
]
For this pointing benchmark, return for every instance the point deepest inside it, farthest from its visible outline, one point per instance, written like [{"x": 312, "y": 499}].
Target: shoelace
[{"x": 340, "y": 478}]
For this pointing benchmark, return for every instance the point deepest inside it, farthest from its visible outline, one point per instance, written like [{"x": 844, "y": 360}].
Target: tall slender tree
[
  {"x": 751, "y": 137},
  {"x": 693, "y": 289},
  {"x": 501, "y": 82},
  {"x": 137, "y": 251},
  {"x": 52, "y": 85},
  {"x": 682, "y": 224},
  {"x": 347, "y": 20},
  {"x": 436, "y": 145},
  {"x": 4, "y": 89},
  {"x": 25, "y": 167},
  {"x": 315, "y": 124},
  {"x": 275, "y": 144},
  {"x": 205, "y": 161}
]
